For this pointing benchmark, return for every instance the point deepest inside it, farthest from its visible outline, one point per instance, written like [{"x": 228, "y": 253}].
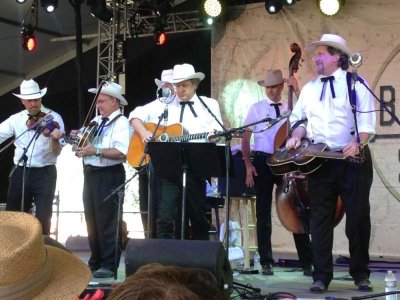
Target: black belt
[
  {"x": 261, "y": 154},
  {"x": 96, "y": 168},
  {"x": 36, "y": 168}
]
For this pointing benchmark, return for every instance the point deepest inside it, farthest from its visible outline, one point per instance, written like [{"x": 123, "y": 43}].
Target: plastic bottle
[
  {"x": 256, "y": 260},
  {"x": 390, "y": 285}
]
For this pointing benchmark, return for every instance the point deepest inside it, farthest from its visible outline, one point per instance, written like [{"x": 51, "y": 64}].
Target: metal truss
[{"x": 130, "y": 22}]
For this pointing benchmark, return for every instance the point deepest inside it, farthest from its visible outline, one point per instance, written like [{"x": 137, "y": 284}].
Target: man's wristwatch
[{"x": 99, "y": 152}]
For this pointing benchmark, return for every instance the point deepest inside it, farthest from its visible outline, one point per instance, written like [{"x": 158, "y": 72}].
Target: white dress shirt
[
  {"x": 264, "y": 141},
  {"x": 39, "y": 153},
  {"x": 204, "y": 122},
  {"x": 331, "y": 121},
  {"x": 115, "y": 136}
]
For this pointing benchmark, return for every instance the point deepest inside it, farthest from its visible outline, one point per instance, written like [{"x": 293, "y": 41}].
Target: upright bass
[{"x": 292, "y": 199}]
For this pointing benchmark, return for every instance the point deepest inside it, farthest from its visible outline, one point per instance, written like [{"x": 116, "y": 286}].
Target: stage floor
[{"x": 290, "y": 280}]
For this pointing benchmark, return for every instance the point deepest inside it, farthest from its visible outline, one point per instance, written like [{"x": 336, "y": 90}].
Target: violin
[{"x": 33, "y": 123}]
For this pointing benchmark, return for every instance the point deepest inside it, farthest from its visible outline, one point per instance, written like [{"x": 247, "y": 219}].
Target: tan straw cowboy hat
[
  {"x": 272, "y": 78},
  {"x": 29, "y": 269}
]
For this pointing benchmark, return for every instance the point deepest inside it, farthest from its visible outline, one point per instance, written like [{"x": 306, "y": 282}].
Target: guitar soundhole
[{"x": 163, "y": 137}]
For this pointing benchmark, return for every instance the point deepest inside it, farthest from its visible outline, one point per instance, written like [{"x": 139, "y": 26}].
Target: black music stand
[{"x": 174, "y": 160}]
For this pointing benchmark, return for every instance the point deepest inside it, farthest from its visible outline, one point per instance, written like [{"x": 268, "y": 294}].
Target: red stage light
[
  {"x": 29, "y": 42},
  {"x": 161, "y": 38}
]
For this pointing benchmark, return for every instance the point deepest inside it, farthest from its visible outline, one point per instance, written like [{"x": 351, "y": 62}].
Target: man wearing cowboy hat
[
  {"x": 260, "y": 176},
  {"x": 187, "y": 108},
  {"x": 37, "y": 152},
  {"x": 103, "y": 173},
  {"x": 136, "y": 118},
  {"x": 327, "y": 104}
]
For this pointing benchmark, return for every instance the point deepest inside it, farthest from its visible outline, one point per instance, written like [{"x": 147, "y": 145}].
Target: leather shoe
[
  {"x": 267, "y": 270},
  {"x": 103, "y": 273},
  {"x": 318, "y": 287},
  {"x": 308, "y": 271},
  {"x": 364, "y": 285}
]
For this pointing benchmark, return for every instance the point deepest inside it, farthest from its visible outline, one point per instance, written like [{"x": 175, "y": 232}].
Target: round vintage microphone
[{"x": 355, "y": 60}]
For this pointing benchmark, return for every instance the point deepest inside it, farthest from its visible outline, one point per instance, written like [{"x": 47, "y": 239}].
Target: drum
[{"x": 293, "y": 203}]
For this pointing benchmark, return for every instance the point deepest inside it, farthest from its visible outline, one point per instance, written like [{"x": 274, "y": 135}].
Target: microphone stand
[
  {"x": 228, "y": 136},
  {"x": 355, "y": 77},
  {"x": 24, "y": 159}
]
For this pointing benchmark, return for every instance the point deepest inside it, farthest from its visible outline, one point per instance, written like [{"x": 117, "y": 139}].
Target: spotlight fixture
[
  {"x": 330, "y": 7},
  {"x": 289, "y": 2},
  {"x": 49, "y": 5},
  {"x": 100, "y": 11},
  {"x": 28, "y": 38},
  {"x": 160, "y": 36},
  {"x": 212, "y": 8},
  {"x": 273, "y": 6},
  {"x": 20, "y": 1}
]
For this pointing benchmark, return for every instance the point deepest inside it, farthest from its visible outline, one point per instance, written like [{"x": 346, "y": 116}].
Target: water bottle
[
  {"x": 256, "y": 260},
  {"x": 390, "y": 285}
]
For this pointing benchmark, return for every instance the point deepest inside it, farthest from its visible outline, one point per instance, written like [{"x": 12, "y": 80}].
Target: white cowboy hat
[
  {"x": 166, "y": 77},
  {"x": 331, "y": 40},
  {"x": 29, "y": 269},
  {"x": 112, "y": 89},
  {"x": 186, "y": 72},
  {"x": 272, "y": 78},
  {"x": 29, "y": 90}
]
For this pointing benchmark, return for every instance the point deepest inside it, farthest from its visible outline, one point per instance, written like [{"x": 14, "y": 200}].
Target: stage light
[
  {"x": 28, "y": 38},
  {"x": 20, "y": 1},
  {"x": 289, "y": 2},
  {"x": 160, "y": 37},
  {"x": 49, "y": 5},
  {"x": 330, "y": 7},
  {"x": 100, "y": 11},
  {"x": 273, "y": 6},
  {"x": 212, "y": 8}
]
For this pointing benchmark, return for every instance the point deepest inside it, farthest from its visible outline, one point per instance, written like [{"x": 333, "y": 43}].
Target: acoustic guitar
[
  {"x": 307, "y": 158},
  {"x": 171, "y": 133}
]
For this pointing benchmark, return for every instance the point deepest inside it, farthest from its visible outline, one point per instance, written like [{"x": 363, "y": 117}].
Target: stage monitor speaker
[{"x": 209, "y": 255}]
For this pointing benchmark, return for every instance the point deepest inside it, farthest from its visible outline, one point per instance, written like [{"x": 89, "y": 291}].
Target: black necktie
[
  {"x": 276, "y": 106},
  {"x": 101, "y": 126},
  {"x": 184, "y": 103},
  {"x": 324, "y": 80}
]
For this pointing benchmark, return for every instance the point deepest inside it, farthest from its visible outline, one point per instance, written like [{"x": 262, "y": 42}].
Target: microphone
[
  {"x": 166, "y": 92},
  {"x": 355, "y": 60},
  {"x": 277, "y": 120}
]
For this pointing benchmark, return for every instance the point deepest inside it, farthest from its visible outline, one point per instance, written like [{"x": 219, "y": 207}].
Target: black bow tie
[
  {"x": 277, "y": 110},
  {"x": 184, "y": 103},
  {"x": 35, "y": 116},
  {"x": 324, "y": 80}
]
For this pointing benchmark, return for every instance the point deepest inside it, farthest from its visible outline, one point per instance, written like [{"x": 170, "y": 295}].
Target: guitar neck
[
  {"x": 325, "y": 154},
  {"x": 188, "y": 137}
]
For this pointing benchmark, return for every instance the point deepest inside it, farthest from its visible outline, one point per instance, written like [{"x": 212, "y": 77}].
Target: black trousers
[
  {"x": 40, "y": 185},
  {"x": 170, "y": 209},
  {"x": 102, "y": 216},
  {"x": 352, "y": 183},
  {"x": 264, "y": 184}
]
